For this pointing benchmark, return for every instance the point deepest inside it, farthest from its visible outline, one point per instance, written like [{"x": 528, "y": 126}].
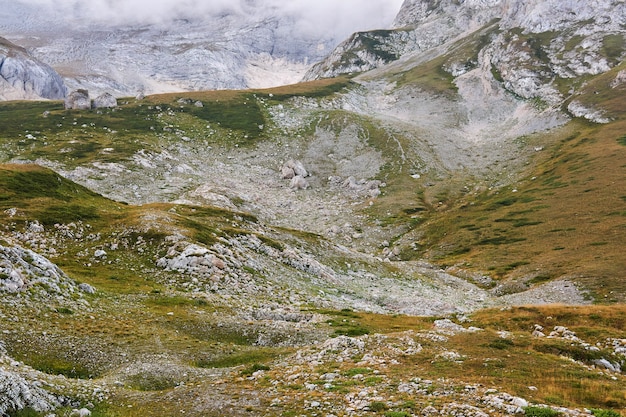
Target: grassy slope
[
  {"x": 566, "y": 215},
  {"x": 32, "y": 130}
]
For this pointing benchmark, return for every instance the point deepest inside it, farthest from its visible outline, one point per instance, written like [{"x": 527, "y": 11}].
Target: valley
[{"x": 424, "y": 237}]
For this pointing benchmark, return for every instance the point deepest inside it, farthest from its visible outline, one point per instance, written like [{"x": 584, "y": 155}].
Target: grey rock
[
  {"x": 619, "y": 80},
  {"x": 104, "y": 100},
  {"x": 297, "y": 167},
  {"x": 78, "y": 100},
  {"x": 422, "y": 26},
  {"x": 86, "y": 288},
  {"x": 23, "y": 77},
  {"x": 35, "y": 227},
  {"x": 603, "y": 363},
  {"x": 287, "y": 172},
  {"x": 299, "y": 183},
  {"x": 519, "y": 402},
  {"x": 19, "y": 393},
  {"x": 430, "y": 410},
  {"x": 21, "y": 269},
  {"x": 577, "y": 109}
]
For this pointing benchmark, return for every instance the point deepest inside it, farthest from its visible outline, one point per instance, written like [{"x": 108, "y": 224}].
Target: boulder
[
  {"x": 299, "y": 183},
  {"x": 287, "y": 172},
  {"x": 104, "y": 100},
  {"x": 296, "y": 166},
  {"x": 78, "y": 100},
  {"x": 86, "y": 288},
  {"x": 619, "y": 79},
  {"x": 603, "y": 363},
  {"x": 19, "y": 393}
]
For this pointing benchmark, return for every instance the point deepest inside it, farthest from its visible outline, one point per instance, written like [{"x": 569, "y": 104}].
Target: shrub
[
  {"x": 378, "y": 406},
  {"x": 255, "y": 367},
  {"x": 501, "y": 343},
  {"x": 598, "y": 412},
  {"x": 540, "y": 412}
]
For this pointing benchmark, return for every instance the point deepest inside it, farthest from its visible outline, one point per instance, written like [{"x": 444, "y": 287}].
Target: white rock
[
  {"x": 603, "y": 363},
  {"x": 104, "y": 100},
  {"x": 78, "y": 100},
  {"x": 86, "y": 288},
  {"x": 299, "y": 183},
  {"x": 519, "y": 402}
]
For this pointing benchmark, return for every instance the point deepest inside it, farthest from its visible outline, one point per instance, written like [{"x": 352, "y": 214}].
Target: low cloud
[{"x": 337, "y": 18}]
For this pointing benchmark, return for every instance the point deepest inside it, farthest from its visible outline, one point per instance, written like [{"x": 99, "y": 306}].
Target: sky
[{"x": 336, "y": 17}]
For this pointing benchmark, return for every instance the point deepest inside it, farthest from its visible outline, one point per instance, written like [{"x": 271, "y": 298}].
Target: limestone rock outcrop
[
  {"x": 78, "y": 100},
  {"x": 104, "y": 100},
  {"x": 23, "y": 77},
  {"x": 22, "y": 269}
]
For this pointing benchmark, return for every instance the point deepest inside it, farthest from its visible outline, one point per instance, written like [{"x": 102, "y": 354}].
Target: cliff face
[
  {"x": 24, "y": 77},
  {"x": 530, "y": 45}
]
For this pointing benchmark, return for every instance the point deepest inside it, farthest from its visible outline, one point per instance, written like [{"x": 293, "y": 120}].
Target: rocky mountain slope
[
  {"x": 535, "y": 49},
  {"x": 23, "y": 77},
  {"x": 406, "y": 241}
]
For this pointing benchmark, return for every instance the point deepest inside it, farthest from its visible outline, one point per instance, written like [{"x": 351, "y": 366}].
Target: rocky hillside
[
  {"x": 535, "y": 49},
  {"x": 417, "y": 239},
  {"x": 22, "y": 77},
  {"x": 155, "y": 308}
]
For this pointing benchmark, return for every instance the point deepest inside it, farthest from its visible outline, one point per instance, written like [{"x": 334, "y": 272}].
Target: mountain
[
  {"x": 23, "y": 77},
  {"x": 535, "y": 49},
  {"x": 419, "y": 238},
  {"x": 248, "y": 45}
]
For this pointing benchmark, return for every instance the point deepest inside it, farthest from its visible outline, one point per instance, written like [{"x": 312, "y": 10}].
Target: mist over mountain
[{"x": 161, "y": 46}]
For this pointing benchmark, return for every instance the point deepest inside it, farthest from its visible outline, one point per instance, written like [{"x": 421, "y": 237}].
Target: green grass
[
  {"x": 251, "y": 357},
  {"x": 240, "y": 114},
  {"x": 542, "y": 221},
  {"x": 613, "y": 47},
  {"x": 540, "y": 412},
  {"x": 19, "y": 184},
  {"x": 396, "y": 414},
  {"x": 598, "y": 412},
  {"x": 55, "y": 364}
]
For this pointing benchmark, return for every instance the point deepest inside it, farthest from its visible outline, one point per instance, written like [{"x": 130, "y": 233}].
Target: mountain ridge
[{"x": 528, "y": 46}]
